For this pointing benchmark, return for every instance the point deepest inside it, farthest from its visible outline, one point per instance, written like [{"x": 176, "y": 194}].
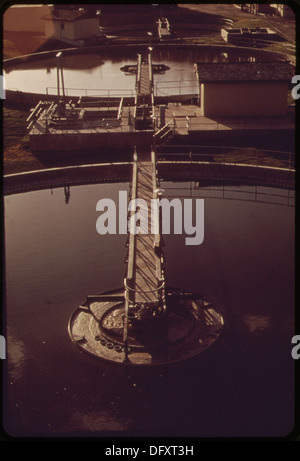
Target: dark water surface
[{"x": 55, "y": 258}]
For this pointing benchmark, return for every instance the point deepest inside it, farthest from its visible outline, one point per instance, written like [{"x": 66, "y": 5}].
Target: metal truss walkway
[{"x": 145, "y": 281}]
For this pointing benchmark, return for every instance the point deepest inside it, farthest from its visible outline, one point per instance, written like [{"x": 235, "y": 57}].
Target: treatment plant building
[{"x": 244, "y": 89}]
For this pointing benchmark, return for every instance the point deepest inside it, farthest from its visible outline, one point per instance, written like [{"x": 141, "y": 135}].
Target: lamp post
[
  {"x": 59, "y": 68},
  {"x": 150, "y": 49}
]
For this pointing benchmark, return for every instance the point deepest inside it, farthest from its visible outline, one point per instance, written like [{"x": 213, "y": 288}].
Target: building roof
[
  {"x": 244, "y": 71},
  {"x": 69, "y": 15}
]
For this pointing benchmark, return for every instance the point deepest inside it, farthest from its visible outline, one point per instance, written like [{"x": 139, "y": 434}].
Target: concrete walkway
[{"x": 189, "y": 118}]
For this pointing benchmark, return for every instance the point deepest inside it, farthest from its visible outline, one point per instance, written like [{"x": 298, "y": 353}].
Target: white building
[
  {"x": 283, "y": 10},
  {"x": 71, "y": 25},
  {"x": 243, "y": 89}
]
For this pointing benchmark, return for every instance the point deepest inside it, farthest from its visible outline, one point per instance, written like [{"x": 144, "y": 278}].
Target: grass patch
[
  {"x": 252, "y": 156},
  {"x": 14, "y": 128},
  {"x": 21, "y": 43},
  {"x": 251, "y": 23},
  {"x": 17, "y": 160},
  {"x": 16, "y": 154}
]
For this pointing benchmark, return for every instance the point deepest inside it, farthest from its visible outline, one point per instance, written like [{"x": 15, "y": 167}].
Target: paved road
[{"x": 286, "y": 26}]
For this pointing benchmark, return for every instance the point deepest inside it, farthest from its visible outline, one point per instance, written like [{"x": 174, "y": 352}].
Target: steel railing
[
  {"x": 254, "y": 193},
  {"x": 180, "y": 87},
  {"x": 93, "y": 92},
  {"x": 193, "y": 123},
  {"x": 228, "y": 154}
]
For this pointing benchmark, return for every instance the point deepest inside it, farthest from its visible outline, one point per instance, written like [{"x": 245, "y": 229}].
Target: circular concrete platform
[{"x": 190, "y": 327}]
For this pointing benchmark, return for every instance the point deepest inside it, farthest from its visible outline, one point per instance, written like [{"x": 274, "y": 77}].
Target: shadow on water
[{"x": 243, "y": 386}]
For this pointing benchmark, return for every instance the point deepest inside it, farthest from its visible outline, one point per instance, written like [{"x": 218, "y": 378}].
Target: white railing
[
  {"x": 228, "y": 154},
  {"x": 166, "y": 88},
  {"x": 93, "y": 92},
  {"x": 194, "y": 124},
  {"x": 254, "y": 193}
]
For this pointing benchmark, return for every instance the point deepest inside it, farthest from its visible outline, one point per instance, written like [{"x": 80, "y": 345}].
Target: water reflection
[
  {"x": 16, "y": 358},
  {"x": 257, "y": 323},
  {"x": 101, "y": 70},
  {"x": 67, "y": 192},
  {"x": 109, "y": 421},
  {"x": 55, "y": 258}
]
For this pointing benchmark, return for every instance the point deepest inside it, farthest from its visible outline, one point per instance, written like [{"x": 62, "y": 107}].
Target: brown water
[
  {"x": 93, "y": 74},
  {"x": 55, "y": 258}
]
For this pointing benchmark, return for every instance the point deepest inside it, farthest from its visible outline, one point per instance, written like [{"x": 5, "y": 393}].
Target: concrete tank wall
[{"x": 68, "y": 142}]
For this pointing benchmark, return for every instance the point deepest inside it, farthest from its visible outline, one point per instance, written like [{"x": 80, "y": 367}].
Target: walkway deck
[
  {"x": 144, "y": 282},
  {"x": 187, "y": 119},
  {"x": 144, "y": 79},
  {"x": 146, "y": 260}
]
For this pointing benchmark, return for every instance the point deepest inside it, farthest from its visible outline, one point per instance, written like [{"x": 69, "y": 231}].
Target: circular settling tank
[
  {"x": 54, "y": 259},
  {"x": 99, "y": 73}
]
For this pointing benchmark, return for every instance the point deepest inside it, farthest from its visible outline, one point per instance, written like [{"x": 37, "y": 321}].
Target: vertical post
[
  {"x": 59, "y": 68},
  {"x": 150, "y": 49},
  {"x": 58, "y": 81},
  {"x": 62, "y": 81},
  {"x": 46, "y": 120},
  {"x": 162, "y": 117}
]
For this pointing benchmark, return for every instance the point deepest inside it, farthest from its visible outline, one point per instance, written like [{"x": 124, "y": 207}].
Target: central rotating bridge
[{"x": 145, "y": 322}]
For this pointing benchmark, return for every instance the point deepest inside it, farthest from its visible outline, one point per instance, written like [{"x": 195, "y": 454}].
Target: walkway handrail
[
  {"x": 150, "y": 72},
  {"x": 175, "y": 84},
  {"x": 258, "y": 157},
  {"x": 161, "y": 130},
  {"x": 144, "y": 291},
  {"x": 131, "y": 252},
  {"x": 196, "y": 124},
  {"x": 255, "y": 195},
  {"x": 157, "y": 237},
  {"x": 138, "y": 73},
  {"x": 190, "y": 147},
  {"x": 108, "y": 92}
]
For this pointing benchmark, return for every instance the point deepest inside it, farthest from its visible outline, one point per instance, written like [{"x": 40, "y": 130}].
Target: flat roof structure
[
  {"x": 244, "y": 89},
  {"x": 69, "y": 15},
  {"x": 244, "y": 71}
]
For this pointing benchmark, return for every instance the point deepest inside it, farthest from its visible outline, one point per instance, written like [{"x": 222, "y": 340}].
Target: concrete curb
[{"x": 212, "y": 173}]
